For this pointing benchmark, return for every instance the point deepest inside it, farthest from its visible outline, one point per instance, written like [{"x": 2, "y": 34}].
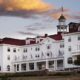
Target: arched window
[
  {"x": 70, "y": 61},
  {"x": 8, "y": 67}
]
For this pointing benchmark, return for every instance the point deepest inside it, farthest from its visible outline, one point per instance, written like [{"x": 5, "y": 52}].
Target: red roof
[
  {"x": 32, "y": 42},
  {"x": 12, "y": 41},
  {"x": 23, "y": 42},
  {"x": 56, "y": 36}
]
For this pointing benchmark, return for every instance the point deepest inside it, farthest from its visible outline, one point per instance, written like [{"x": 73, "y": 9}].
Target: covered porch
[{"x": 51, "y": 65}]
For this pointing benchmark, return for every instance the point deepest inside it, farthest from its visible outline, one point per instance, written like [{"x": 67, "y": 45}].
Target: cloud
[
  {"x": 23, "y": 8},
  {"x": 28, "y": 33},
  {"x": 77, "y": 17}
]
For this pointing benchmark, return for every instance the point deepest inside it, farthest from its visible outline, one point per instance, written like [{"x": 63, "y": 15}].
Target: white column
[
  {"x": 47, "y": 64},
  {"x": 14, "y": 67},
  {"x": 35, "y": 66},
  {"x": 27, "y": 67},
  {"x": 55, "y": 64}
]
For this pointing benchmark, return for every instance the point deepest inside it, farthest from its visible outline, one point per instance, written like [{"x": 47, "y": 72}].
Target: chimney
[{"x": 46, "y": 35}]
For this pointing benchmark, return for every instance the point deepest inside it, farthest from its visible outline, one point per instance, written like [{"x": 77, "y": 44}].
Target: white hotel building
[{"x": 52, "y": 52}]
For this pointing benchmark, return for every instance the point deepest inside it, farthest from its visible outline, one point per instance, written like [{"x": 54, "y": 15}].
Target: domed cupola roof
[{"x": 61, "y": 17}]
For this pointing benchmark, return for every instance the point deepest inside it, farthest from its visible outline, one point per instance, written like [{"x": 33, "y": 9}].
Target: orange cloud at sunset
[
  {"x": 37, "y": 5},
  {"x": 1, "y": 1}
]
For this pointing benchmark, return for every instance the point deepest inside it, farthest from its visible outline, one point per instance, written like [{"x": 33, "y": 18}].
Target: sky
[{"x": 30, "y": 18}]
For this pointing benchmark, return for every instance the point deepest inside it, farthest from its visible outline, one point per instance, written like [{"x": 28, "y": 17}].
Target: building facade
[{"x": 56, "y": 52}]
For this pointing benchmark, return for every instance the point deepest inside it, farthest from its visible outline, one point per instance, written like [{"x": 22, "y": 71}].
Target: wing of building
[{"x": 55, "y": 52}]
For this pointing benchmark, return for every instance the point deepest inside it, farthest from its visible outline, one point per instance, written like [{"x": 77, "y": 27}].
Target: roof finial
[{"x": 62, "y": 10}]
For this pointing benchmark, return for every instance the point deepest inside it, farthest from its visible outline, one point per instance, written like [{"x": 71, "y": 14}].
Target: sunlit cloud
[{"x": 23, "y": 8}]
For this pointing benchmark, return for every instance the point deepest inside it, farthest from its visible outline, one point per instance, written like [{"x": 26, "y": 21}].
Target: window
[
  {"x": 23, "y": 66},
  {"x": 61, "y": 53},
  {"x": 25, "y": 50},
  {"x": 0, "y": 68},
  {"x": 31, "y": 56},
  {"x": 37, "y": 56},
  {"x": 8, "y": 49},
  {"x": 31, "y": 66},
  {"x": 70, "y": 61},
  {"x": 48, "y": 54},
  {"x": 17, "y": 67},
  {"x": 61, "y": 45},
  {"x": 48, "y": 47},
  {"x": 24, "y": 57},
  {"x": 8, "y": 57},
  {"x": 15, "y": 58},
  {"x": 69, "y": 49},
  {"x": 69, "y": 40},
  {"x": 37, "y": 49},
  {"x": 8, "y": 67},
  {"x": 78, "y": 37},
  {"x": 14, "y": 50}
]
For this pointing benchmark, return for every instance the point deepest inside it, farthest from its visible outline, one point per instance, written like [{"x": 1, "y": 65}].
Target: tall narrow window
[
  {"x": 69, "y": 40},
  {"x": 48, "y": 47},
  {"x": 14, "y": 50},
  {"x": 17, "y": 67},
  {"x": 8, "y": 57},
  {"x": 8, "y": 49},
  {"x": 69, "y": 49},
  {"x": 0, "y": 68},
  {"x": 8, "y": 67},
  {"x": 31, "y": 66}
]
